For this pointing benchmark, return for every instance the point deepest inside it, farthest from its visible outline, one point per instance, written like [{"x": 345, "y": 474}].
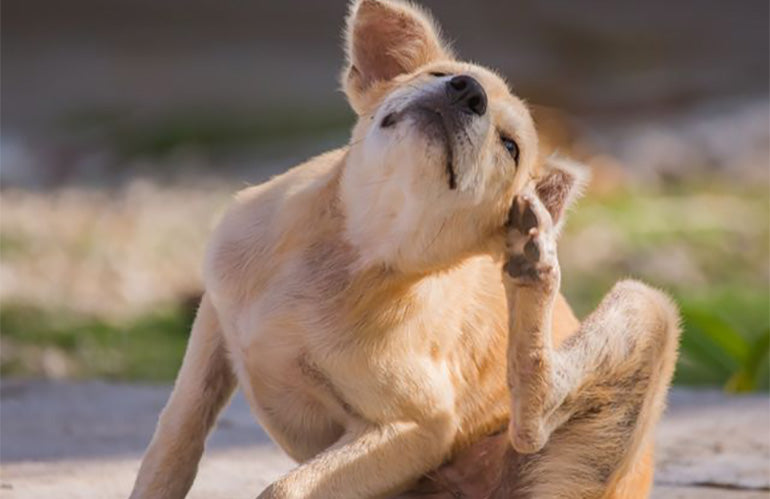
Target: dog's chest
[{"x": 307, "y": 377}]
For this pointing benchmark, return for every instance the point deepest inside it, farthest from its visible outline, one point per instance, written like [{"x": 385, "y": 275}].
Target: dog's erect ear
[
  {"x": 560, "y": 183},
  {"x": 386, "y": 38}
]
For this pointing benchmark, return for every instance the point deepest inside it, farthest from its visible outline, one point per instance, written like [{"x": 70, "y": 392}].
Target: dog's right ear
[
  {"x": 559, "y": 185},
  {"x": 384, "y": 39}
]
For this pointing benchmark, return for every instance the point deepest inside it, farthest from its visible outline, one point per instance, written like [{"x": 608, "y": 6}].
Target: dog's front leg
[
  {"x": 203, "y": 387},
  {"x": 370, "y": 461}
]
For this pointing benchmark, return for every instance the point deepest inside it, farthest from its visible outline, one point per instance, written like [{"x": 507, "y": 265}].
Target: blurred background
[{"x": 127, "y": 125}]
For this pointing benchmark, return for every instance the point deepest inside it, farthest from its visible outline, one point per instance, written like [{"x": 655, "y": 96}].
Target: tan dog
[{"x": 361, "y": 303}]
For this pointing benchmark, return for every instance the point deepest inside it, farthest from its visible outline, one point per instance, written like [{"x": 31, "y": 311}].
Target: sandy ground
[{"x": 73, "y": 440}]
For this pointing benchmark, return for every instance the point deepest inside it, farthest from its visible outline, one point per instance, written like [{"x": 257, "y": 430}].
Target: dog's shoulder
[{"x": 268, "y": 224}]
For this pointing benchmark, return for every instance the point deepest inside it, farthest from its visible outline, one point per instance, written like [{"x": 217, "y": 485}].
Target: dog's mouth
[
  {"x": 437, "y": 120},
  {"x": 432, "y": 121}
]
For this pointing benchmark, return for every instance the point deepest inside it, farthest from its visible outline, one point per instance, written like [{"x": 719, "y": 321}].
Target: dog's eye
[
  {"x": 511, "y": 146},
  {"x": 388, "y": 121},
  {"x": 438, "y": 74}
]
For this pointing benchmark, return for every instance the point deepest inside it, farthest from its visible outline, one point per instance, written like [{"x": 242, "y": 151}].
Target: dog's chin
[{"x": 433, "y": 127}]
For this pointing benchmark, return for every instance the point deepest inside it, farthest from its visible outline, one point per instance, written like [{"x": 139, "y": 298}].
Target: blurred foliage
[
  {"x": 210, "y": 130},
  {"x": 707, "y": 244},
  {"x": 715, "y": 352},
  {"x": 146, "y": 348}
]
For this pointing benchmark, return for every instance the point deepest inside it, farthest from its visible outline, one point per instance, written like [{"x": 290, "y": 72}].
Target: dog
[{"x": 391, "y": 309}]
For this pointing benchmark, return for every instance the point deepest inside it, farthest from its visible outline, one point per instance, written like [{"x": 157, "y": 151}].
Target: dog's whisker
[
  {"x": 376, "y": 182},
  {"x": 438, "y": 233},
  {"x": 355, "y": 142}
]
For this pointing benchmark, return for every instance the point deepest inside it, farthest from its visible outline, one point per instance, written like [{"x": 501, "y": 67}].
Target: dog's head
[{"x": 440, "y": 147}]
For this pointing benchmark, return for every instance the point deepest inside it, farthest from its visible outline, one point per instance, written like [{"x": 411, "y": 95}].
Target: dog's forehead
[{"x": 494, "y": 84}]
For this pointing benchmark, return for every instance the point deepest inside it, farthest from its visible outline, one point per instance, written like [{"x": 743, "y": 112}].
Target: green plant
[
  {"x": 715, "y": 352},
  {"x": 144, "y": 348}
]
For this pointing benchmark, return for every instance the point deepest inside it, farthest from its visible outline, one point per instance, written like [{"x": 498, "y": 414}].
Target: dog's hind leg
[
  {"x": 583, "y": 412},
  {"x": 203, "y": 386}
]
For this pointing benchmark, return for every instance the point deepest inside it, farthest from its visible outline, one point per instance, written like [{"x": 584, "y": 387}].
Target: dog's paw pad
[
  {"x": 532, "y": 250},
  {"x": 531, "y": 242}
]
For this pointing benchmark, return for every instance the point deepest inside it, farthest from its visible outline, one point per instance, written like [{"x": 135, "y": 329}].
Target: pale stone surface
[
  {"x": 84, "y": 440},
  {"x": 718, "y": 442}
]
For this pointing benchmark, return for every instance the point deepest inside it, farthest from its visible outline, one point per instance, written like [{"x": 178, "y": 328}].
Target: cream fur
[{"x": 359, "y": 303}]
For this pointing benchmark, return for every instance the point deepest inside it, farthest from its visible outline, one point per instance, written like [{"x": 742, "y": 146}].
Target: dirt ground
[{"x": 79, "y": 440}]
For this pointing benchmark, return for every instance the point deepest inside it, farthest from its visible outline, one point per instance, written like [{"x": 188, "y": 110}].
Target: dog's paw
[
  {"x": 527, "y": 439},
  {"x": 531, "y": 242}
]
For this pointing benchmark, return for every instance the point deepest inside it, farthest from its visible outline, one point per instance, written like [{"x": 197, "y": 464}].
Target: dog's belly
[
  {"x": 306, "y": 405},
  {"x": 267, "y": 352},
  {"x": 307, "y": 384},
  {"x": 285, "y": 401},
  {"x": 297, "y": 422}
]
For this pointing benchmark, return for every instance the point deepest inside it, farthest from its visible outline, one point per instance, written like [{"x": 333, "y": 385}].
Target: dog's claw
[
  {"x": 514, "y": 215},
  {"x": 528, "y": 218}
]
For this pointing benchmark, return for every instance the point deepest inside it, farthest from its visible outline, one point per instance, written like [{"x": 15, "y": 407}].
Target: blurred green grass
[
  {"x": 706, "y": 244},
  {"x": 147, "y": 347}
]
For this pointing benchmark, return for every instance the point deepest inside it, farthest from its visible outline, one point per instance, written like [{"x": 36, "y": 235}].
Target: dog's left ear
[
  {"x": 560, "y": 184},
  {"x": 384, "y": 39}
]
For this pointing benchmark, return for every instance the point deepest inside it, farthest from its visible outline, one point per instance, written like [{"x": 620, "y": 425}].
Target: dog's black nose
[{"x": 467, "y": 93}]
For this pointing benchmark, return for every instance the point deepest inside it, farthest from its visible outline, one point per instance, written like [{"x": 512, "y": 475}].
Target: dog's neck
[
  {"x": 389, "y": 226},
  {"x": 367, "y": 302},
  {"x": 359, "y": 292}
]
